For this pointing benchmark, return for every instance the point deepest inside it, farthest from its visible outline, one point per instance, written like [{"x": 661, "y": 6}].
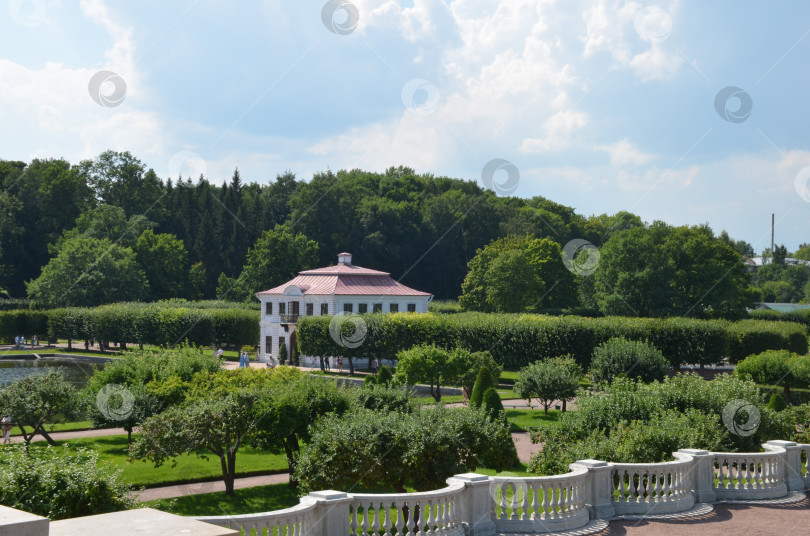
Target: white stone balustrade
[
  {"x": 432, "y": 512},
  {"x": 743, "y": 476},
  {"x": 653, "y": 488},
  {"x": 539, "y": 504},
  {"x": 478, "y": 505}
]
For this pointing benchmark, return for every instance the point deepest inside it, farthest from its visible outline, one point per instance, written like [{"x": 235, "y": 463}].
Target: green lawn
[
  {"x": 112, "y": 451},
  {"x": 520, "y": 420},
  {"x": 57, "y": 352},
  {"x": 244, "y": 501}
]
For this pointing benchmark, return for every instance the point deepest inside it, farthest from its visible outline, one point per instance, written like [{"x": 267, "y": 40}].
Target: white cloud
[
  {"x": 558, "y": 129},
  {"x": 624, "y": 153}
]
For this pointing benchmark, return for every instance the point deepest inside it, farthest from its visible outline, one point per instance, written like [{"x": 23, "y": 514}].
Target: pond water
[{"x": 76, "y": 372}]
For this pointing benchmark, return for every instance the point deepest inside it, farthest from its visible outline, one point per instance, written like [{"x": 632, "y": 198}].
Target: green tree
[
  {"x": 492, "y": 406},
  {"x": 549, "y": 380},
  {"x": 164, "y": 260},
  {"x": 469, "y": 364},
  {"x": 662, "y": 271},
  {"x": 427, "y": 364},
  {"x": 142, "y": 383},
  {"x": 89, "y": 272},
  {"x": 105, "y": 221},
  {"x": 122, "y": 180},
  {"x": 38, "y": 400},
  {"x": 517, "y": 274},
  {"x": 217, "y": 426},
  {"x": 277, "y": 256}
]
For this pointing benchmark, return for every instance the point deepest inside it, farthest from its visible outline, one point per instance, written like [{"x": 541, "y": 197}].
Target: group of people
[
  {"x": 244, "y": 360},
  {"x": 19, "y": 342}
]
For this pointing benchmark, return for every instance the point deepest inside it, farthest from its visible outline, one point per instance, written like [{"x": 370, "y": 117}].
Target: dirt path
[
  {"x": 75, "y": 434},
  {"x": 197, "y": 488}
]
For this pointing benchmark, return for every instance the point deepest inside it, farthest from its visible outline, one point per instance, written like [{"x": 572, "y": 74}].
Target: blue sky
[{"x": 602, "y": 105}]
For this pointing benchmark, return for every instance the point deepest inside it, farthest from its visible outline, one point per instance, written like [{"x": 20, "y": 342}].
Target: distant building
[
  {"x": 752, "y": 264},
  {"x": 343, "y": 288},
  {"x": 783, "y": 307}
]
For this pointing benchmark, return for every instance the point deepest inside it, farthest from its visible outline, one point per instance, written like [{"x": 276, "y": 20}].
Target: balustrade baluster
[
  {"x": 533, "y": 489},
  {"x": 544, "y": 504},
  {"x": 375, "y": 526},
  {"x": 555, "y": 501},
  {"x": 524, "y": 501},
  {"x": 411, "y": 525},
  {"x": 504, "y": 505},
  {"x": 429, "y": 522},
  {"x": 639, "y": 487},
  {"x": 386, "y": 521},
  {"x": 621, "y": 484},
  {"x": 401, "y": 526},
  {"x": 353, "y": 521},
  {"x": 366, "y": 514},
  {"x": 514, "y": 501}
]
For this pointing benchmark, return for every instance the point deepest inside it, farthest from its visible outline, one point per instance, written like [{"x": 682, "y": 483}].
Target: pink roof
[
  {"x": 343, "y": 269},
  {"x": 346, "y": 280}
]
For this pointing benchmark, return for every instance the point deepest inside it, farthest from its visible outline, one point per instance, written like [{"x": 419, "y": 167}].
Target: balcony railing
[{"x": 289, "y": 319}]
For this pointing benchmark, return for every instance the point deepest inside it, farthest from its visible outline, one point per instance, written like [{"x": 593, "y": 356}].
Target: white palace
[{"x": 343, "y": 288}]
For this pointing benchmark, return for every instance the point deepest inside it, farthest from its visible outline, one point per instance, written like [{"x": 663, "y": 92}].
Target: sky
[{"x": 687, "y": 112}]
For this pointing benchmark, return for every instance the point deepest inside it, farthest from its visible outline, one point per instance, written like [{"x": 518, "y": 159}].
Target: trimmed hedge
[
  {"x": 24, "y": 323},
  {"x": 517, "y": 340},
  {"x": 748, "y": 337},
  {"x": 802, "y": 316},
  {"x": 156, "y": 323}
]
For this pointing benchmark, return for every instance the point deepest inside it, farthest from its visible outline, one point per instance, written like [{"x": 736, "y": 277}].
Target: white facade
[{"x": 282, "y": 306}]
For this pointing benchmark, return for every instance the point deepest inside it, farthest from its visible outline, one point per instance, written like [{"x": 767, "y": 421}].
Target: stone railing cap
[
  {"x": 695, "y": 452},
  {"x": 329, "y": 494},
  {"x": 470, "y": 477},
  {"x": 592, "y": 463},
  {"x": 782, "y": 443}
]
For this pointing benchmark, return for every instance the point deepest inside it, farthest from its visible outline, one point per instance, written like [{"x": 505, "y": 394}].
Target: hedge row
[
  {"x": 162, "y": 323},
  {"x": 802, "y": 316},
  {"x": 517, "y": 340},
  {"x": 158, "y": 323},
  {"x": 22, "y": 322}
]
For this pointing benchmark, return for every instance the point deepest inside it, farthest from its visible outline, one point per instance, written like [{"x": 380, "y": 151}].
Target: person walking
[
  {"x": 6, "y": 425},
  {"x": 340, "y": 363}
]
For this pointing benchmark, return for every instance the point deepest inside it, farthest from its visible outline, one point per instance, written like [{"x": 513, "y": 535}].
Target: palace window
[
  {"x": 411, "y": 307},
  {"x": 393, "y": 308},
  {"x": 324, "y": 309},
  {"x": 362, "y": 308},
  {"x": 378, "y": 308}
]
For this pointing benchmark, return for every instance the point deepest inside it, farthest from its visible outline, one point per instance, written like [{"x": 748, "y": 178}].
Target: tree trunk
[
  {"x": 291, "y": 463},
  {"x": 323, "y": 366},
  {"x": 41, "y": 430},
  {"x": 226, "y": 474},
  {"x": 129, "y": 437},
  {"x": 565, "y": 404},
  {"x": 787, "y": 395},
  {"x": 69, "y": 344},
  {"x": 351, "y": 366}
]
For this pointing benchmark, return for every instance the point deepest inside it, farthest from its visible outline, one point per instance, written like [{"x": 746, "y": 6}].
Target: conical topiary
[
  {"x": 294, "y": 355},
  {"x": 385, "y": 376},
  {"x": 370, "y": 380},
  {"x": 492, "y": 404},
  {"x": 282, "y": 354},
  {"x": 483, "y": 382},
  {"x": 777, "y": 402}
]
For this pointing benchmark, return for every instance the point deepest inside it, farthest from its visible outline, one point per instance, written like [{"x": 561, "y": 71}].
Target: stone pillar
[
  {"x": 702, "y": 473},
  {"x": 792, "y": 462},
  {"x": 598, "y": 487},
  {"x": 19, "y": 523},
  {"x": 476, "y": 504},
  {"x": 331, "y": 517}
]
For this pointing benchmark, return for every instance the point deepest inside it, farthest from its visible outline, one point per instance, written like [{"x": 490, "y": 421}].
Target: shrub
[
  {"x": 380, "y": 449},
  {"x": 384, "y": 376},
  {"x": 777, "y": 367},
  {"x": 491, "y": 404},
  {"x": 633, "y": 359},
  {"x": 282, "y": 353},
  {"x": 777, "y": 402},
  {"x": 369, "y": 380},
  {"x": 60, "y": 485},
  {"x": 22, "y": 322},
  {"x": 483, "y": 382}
]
